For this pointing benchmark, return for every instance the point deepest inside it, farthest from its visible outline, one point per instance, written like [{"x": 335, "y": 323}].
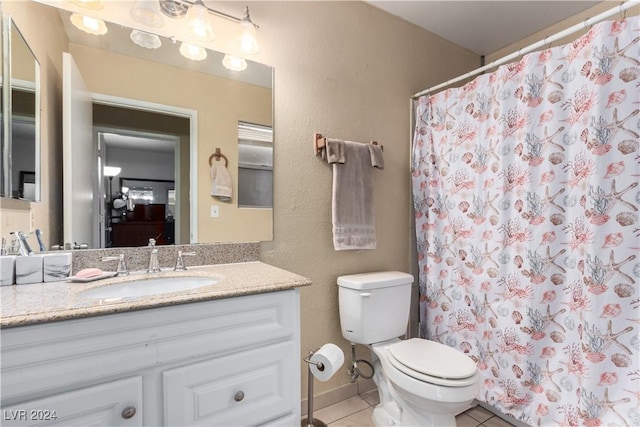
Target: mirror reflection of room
[
  {"x": 24, "y": 109},
  {"x": 144, "y": 157},
  {"x": 116, "y": 70}
]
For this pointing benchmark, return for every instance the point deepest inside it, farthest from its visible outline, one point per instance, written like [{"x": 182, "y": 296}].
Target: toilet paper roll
[{"x": 331, "y": 358}]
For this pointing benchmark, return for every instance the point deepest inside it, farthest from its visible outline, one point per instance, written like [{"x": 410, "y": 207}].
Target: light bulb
[
  {"x": 198, "y": 26},
  {"x": 247, "y": 42},
  {"x": 190, "y": 51},
  {"x": 147, "y": 13},
  {"x": 234, "y": 63},
  {"x": 88, "y": 24}
]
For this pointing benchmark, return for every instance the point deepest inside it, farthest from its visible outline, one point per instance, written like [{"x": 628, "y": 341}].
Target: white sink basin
[{"x": 146, "y": 287}]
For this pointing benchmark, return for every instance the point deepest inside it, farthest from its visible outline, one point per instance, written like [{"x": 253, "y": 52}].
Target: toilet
[{"x": 420, "y": 382}]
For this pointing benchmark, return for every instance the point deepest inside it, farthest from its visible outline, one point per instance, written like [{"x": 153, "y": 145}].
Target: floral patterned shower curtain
[{"x": 526, "y": 194}]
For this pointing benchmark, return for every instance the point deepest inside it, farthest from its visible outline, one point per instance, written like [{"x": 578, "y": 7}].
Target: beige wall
[
  {"x": 41, "y": 27},
  {"x": 346, "y": 70}
]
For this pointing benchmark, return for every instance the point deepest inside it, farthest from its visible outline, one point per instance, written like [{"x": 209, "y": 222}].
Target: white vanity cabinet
[{"x": 225, "y": 362}]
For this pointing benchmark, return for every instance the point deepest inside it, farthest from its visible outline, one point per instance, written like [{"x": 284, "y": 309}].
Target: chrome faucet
[
  {"x": 180, "y": 260},
  {"x": 154, "y": 265},
  {"x": 23, "y": 245},
  {"x": 122, "y": 266}
]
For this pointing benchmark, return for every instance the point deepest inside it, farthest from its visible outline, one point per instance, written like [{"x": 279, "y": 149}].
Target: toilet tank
[{"x": 374, "y": 307}]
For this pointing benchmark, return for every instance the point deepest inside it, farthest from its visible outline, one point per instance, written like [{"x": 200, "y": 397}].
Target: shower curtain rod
[{"x": 622, "y": 7}]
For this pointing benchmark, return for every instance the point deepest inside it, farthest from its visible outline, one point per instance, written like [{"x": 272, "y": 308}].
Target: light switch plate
[{"x": 215, "y": 213}]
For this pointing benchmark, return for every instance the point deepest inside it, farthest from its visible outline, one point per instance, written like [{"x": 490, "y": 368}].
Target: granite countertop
[{"x": 48, "y": 302}]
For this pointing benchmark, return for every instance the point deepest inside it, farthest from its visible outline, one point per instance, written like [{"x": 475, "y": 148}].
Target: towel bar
[
  {"x": 319, "y": 142},
  {"x": 218, "y": 154}
]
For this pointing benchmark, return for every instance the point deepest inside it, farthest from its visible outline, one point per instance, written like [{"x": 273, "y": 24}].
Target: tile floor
[{"x": 357, "y": 411}]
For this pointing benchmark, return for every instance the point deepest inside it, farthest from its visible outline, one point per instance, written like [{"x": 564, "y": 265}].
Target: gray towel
[
  {"x": 333, "y": 152},
  {"x": 377, "y": 161},
  {"x": 352, "y": 209}
]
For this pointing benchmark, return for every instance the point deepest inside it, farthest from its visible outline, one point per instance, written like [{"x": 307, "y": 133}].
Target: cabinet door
[
  {"x": 117, "y": 403},
  {"x": 242, "y": 389}
]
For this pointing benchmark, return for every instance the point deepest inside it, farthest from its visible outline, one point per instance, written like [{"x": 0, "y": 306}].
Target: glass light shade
[
  {"x": 147, "y": 13},
  {"x": 190, "y": 51},
  {"x": 198, "y": 26},
  {"x": 247, "y": 42},
  {"x": 111, "y": 171},
  {"x": 146, "y": 40},
  {"x": 234, "y": 63},
  {"x": 89, "y": 4},
  {"x": 88, "y": 24}
]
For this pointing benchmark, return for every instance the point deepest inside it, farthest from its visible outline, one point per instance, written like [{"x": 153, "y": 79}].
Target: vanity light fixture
[
  {"x": 190, "y": 51},
  {"x": 147, "y": 13},
  {"x": 198, "y": 26},
  {"x": 247, "y": 42},
  {"x": 89, "y": 4},
  {"x": 234, "y": 63},
  {"x": 88, "y": 24},
  {"x": 146, "y": 40}
]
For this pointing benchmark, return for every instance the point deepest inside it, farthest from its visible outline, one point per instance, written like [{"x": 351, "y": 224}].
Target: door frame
[{"x": 187, "y": 113}]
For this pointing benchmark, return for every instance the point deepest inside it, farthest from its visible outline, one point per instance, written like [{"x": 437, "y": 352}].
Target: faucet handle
[
  {"x": 152, "y": 242},
  {"x": 122, "y": 266},
  {"x": 180, "y": 260}
]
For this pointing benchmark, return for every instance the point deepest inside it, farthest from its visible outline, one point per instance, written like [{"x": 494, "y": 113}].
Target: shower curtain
[{"x": 526, "y": 201}]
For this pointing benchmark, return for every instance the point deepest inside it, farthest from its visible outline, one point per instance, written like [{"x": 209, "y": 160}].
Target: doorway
[{"x": 147, "y": 195}]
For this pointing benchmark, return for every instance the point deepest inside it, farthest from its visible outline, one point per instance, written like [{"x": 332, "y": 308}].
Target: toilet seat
[{"x": 422, "y": 360}]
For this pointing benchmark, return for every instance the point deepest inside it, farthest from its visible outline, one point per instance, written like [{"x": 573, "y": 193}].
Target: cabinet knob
[
  {"x": 128, "y": 412},
  {"x": 238, "y": 396}
]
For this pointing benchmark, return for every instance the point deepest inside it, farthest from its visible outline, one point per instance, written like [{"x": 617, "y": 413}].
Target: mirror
[
  {"x": 211, "y": 99},
  {"x": 21, "y": 136}
]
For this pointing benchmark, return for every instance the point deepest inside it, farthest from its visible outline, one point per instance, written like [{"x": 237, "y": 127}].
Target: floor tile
[
  {"x": 478, "y": 413},
  {"x": 371, "y": 397},
  {"x": 464, "y": 420},
  {"x": 361, "y": 419},
  {"x": 496, "y": 422},
  {"x": 341, "y": 409}
]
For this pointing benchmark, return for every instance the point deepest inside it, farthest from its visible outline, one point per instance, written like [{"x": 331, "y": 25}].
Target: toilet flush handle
[{"x": 365, "y": 294}]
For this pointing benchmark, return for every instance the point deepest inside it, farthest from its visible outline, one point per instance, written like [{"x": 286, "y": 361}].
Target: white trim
[
  {"x": 586, "y": 24},
  {"x": 188, "y": 113}
]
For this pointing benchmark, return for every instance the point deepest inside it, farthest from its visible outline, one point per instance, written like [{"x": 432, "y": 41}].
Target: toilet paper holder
[
  {"x": 309, "y": 421},
  {"x": 318, "y": 365}
]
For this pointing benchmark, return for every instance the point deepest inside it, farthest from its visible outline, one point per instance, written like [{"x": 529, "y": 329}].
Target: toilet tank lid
[{"x": 380, "y": 279}]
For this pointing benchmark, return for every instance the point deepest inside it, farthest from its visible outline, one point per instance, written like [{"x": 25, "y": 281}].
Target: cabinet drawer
[
  {"x": 100, "y": 405},
  {"x": 242, "y": 389}
]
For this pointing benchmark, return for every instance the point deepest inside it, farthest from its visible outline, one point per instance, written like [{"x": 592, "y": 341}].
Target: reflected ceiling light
[
  {"x": 190, "y": 51},
  {"x": 234, "y": 63},
  {"x": 89, "y": 4},
  {"x": 198, "y": 25},
  {"x": 88, "y": 24},
  {"x": 147, "y": 13},
  {"x": 146, "y": 40},
  {"x": 247, "y": 42},
  {"x": 111, "y": 171}
]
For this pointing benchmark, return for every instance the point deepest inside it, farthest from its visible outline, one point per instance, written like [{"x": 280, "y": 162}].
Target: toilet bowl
[
  {"x": 430, "y": 393},
  {"x": 420, "y": 382}
]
